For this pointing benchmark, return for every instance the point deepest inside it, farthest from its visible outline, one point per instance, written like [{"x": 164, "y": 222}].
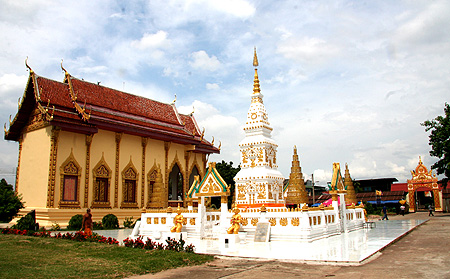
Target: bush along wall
[
  {"x": 77, "y": 236},
  {"x": 172, "y": 245}
]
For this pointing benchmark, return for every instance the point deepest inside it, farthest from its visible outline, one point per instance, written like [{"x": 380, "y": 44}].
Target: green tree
[
  {"x": 228, "y": 172},
  {"x": 10, "y": 202},
  {"x": 440, "y": 142}
]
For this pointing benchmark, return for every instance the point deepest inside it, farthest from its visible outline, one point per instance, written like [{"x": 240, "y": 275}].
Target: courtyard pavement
[{"x": 421, "y": 253}]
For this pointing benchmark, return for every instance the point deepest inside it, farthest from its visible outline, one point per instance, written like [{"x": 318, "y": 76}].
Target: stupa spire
[
  {"x": 255, "y": 59},
  {"x": 257, "y": 96},
  {"x": 258, "y": 156},
  {"x": 296, "y": 192},
  {"x": 348, "y": 183}
]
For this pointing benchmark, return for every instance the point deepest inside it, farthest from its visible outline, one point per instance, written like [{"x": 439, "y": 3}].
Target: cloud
[
  {"x": 307, "y": 50},
  {"x": 212, "y": 86},
  {"x": 201, "y": 60},
  {"x": 152, "y": 41},
  {"x": 223, "y": 128}
]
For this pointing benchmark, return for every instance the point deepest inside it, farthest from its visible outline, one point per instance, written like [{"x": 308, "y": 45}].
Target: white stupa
[{"x": 259, "y": 181}]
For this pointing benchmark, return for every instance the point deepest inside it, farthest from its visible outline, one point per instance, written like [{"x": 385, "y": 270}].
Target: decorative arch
[
  {"x": 421, "y": 177},
  {"x": 102, "y": 184},
  {"x": 130, "y": 177},
  {"x": 151, "y": 180},
  {"x": 201, "y": 171},
  {"x": 192, "y": 173},
  {"x": 70, "y": 175}
]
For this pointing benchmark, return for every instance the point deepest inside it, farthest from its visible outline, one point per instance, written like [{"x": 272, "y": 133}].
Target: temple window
[
  {"x": 70, "y": 174},
  {"x": 129, "y": 186},
  {"x": 102, "y": 180}
]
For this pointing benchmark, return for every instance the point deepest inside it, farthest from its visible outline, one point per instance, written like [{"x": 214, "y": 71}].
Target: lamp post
[{"x": 314, "y": 196}]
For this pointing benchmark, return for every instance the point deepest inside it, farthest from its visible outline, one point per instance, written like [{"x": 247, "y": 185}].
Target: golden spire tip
[{"x": 255, "y": 59}]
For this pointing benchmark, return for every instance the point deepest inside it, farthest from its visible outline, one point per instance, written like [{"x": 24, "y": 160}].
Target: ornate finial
[
  {"x": 10, "y": 120},
  {"x": 193, "y": 109},
  {"x": 420, "y": 159},
  {"x": 212, "y": 143},
  {"x": 203, "y": 133},
  {"x": 174, "y": 100},
  {"x": 295, "y": 149},
  {"x": 220, "y": 144},
  {"x": 6, "y": 130},
  {"x": 256, "y": 89},
  {"x": 255, "y": 59},
  {"x": 26, "y": 64},
  {"x": 62, "y": 68}
]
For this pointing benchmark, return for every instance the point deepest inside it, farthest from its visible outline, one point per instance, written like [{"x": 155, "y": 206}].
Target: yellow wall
[
  {"x": 34, "y": 165},
  {"x": 75, "y": 143},
  {"x": 154, "y": 154},
  {"x": 130, "y": 149},
  {"x": 35, "y": 155},
  {"x": 103, "y": 143}
]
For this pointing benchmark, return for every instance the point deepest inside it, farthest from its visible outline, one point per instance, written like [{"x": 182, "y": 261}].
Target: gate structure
[{"x": 422, "y": 178}]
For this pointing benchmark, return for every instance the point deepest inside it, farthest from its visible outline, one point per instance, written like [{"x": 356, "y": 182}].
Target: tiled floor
[{"x": 350, "y": 248}]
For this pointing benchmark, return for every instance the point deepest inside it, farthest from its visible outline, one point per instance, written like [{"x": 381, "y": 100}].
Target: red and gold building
[
  {"x": 422, "y": 179},
  {"x": 83, "y": 145}
]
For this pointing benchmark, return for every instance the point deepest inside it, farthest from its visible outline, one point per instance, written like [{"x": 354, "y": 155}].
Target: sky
[{"x": 344, "y": 81}]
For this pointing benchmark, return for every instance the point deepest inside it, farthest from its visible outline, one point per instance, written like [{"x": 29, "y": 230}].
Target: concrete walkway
[{"x": 423, "y": 253}]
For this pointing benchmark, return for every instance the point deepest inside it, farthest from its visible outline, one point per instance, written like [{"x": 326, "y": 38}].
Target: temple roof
[
  {"x": 212, "y": 184},
  {"x": 80, "y": 106}
]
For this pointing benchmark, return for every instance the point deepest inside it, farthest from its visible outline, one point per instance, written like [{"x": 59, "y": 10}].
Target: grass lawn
[{"x": 35, "y": 257}]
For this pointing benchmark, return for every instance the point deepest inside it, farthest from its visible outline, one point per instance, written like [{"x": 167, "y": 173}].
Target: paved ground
[{"x": 423, "y": 253}]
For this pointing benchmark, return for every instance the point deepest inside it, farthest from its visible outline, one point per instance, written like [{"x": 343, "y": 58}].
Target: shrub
[
  {"x": 371, "y": 210},
  {"x": 27, "y": 223},
  {"x": 97, "y": 225},
  {"x": 128, "y": 223},
  {"x": 75, "y": 222},
  {"x": 110, "y": 221},
  {"x": 10, "y": 202}
]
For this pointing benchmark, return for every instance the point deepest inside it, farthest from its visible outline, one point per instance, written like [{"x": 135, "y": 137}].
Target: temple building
[
  {"x": 259, "y": 181},
  {"x": 83, "y": 145}
]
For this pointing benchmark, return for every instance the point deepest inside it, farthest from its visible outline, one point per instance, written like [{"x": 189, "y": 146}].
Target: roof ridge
[{"x": 117, "y": 90}]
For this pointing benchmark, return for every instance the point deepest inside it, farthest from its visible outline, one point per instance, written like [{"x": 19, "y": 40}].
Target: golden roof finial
[
  {"x": 255, "y": 59},
  {"x": 65, "y": 71},
  {"x": 26, "y": 64}
]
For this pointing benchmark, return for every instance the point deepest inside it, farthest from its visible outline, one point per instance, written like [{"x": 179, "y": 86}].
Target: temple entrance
[
  {"x": 175, "y": 190},
  {"x": 423, "y": 189},
  {"x": 423, "y": 200}
]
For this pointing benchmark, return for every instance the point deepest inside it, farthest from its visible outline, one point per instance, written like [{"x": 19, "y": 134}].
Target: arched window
[
  {"x": 129, "y": 186},
  {"x": 175, "y": 191},
  {"x": 70, "y": 173},
  {"x": 102, "y": 180}
]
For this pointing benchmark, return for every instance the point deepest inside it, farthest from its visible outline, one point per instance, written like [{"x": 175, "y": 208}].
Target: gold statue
[
  {"x": 177, "y": 221},
  {"x": 236, "y": 220}
]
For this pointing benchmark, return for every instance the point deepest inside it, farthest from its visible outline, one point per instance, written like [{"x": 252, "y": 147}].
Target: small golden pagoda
[
  {"x": 348, "y": 183},
  {"x": 156, "y": 199},
  {"x": 296, "y": 192}
]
